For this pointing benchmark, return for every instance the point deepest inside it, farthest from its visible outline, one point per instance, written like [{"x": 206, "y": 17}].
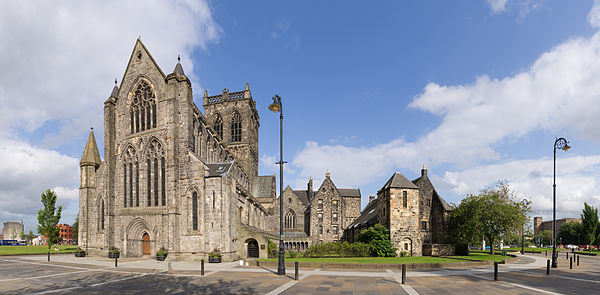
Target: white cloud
[
  {"x": 59, "y": 60},
  {"x": 593, "y": 16},
  {"x": 577, "y": 181},
  {"x": 557, "y": 94},
  {"x": 497, "y": 6}
]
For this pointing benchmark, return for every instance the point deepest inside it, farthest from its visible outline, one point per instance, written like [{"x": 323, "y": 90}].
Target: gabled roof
[
  {"x": 303, "y": 196},
  {"x": 262, "y": 186},
  {"x": 398, "y": 181},
  {"x": 91, "y": 156},
  {"x": 218, "y": 169},
  {"x": 367, "y": 216},
  {"x": 445, "y": 204},
  {"x": 349, "y": 192}
]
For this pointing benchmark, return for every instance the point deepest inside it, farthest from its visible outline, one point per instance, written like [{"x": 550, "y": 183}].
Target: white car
[{"x": 571, "y": 246}]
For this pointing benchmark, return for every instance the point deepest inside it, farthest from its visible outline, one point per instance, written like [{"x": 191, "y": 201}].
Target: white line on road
[
  {"x": 565, "y": 277},
  {"x": 408, "y": 289},
  {"x": 46, "y": 276},
  {"x": 94, "y": 285},
  {"x": 287, "y": 285},
  {"x": 520, "y": 286}
]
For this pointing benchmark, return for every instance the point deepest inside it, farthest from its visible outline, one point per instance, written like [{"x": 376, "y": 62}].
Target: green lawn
[
  {"x": 399, "y": 260},
  {"x": 483, "y": 256},
  {"x": 36, "y": 249}
]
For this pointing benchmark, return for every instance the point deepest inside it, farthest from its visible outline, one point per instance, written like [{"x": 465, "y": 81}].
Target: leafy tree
[
  {"x": 589, "y": 224},
  {"x": 492, "y": 214},
  {"x": 48, "y": 217},
  {"x": 544, "y": 237},
  {"x": 571, "y": 233},
  {"x": 378, "y": 237},
  {"x": 76, "y": 229},
  {"x": 30, "y": 237}
]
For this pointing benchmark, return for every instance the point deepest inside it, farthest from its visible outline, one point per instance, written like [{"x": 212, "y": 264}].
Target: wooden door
[
  {"x": 252, "y": 249},
  {"x": 146, "y": 244}
]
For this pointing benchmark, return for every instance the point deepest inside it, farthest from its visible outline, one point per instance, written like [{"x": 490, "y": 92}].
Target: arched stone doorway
[
  {"x": 146, "y": 244},
  {"x": 252, "y": 248},
  {"x": 406, "y": 246}
]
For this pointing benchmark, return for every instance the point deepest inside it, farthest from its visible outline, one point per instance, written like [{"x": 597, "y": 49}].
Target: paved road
[{"x": 66, "y": 274}]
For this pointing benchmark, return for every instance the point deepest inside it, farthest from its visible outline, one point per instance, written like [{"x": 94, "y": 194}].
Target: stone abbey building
[{"x": 174, "y": 178}]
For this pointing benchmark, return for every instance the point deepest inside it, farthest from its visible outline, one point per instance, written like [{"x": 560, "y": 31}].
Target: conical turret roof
[{"x": 91, "y": 156}]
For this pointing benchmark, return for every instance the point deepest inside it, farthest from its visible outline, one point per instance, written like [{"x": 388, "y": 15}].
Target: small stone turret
[
  {"x": 90, "y": 161},
  {"x": 371, "y": 198},
  {"x": 424, "y": 171}
]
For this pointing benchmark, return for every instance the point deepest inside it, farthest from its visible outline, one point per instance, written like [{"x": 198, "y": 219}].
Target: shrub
[
  {"x": 293, "y": 254},
  {"x": 214, "y": 254},
  {"x": 114, "y": 250},
  {"x": 162, "y": 252},
  {"x": 271, "y": 249},
  {"x": 378, "y": 237},
  {"x": 403, "y": 254},
  {"x": 337, "y": 249}
]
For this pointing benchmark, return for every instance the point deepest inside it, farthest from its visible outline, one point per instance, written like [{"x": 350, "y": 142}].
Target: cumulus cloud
[
  {"x": 497, "y": 6},
  {"x": 59, "y": 61},
  {"x": 558, "y": 93},
  {"x": 593, "y": 16}
]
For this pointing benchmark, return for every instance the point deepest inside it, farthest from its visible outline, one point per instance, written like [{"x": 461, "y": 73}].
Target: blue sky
[{"x": 475, "y": 90}]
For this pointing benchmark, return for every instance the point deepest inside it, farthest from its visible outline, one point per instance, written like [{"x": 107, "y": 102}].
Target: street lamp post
[
  {"x": 563, "y": 144},
  {"x": 275, "y": 107}
]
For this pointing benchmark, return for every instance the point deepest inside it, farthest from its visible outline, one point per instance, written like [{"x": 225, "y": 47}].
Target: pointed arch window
[
  {"x": 219, "y": 126},
  {"x": 102, "y": 216},
  {"x": 155, "y": 163},
  {"x": 143, "y": 108},
  {"x": 236, "y": 127},
  {"x": 194, "y": 211},
  {"x": 129, "y": 176},
  {"x": 290, "y": 219}
]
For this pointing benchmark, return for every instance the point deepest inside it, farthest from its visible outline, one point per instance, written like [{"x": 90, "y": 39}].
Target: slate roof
[
  {"x": 349, "y": 192},
  {"x": 90, "y": 152},
  {"x": 218, "y": 169},
  {"x": 367, "y": 216},
  {"x": 303, "y": 196},
  {"x": 261, "y": 188},
  {"x": 398, "y": 181},
  {"x": 179, "y": 70},
  {"x": 445, "y": 204}
]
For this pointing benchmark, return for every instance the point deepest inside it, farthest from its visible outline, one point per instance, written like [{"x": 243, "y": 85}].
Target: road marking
[
  {"x": 565, "y": 277},
  {"x": 408, "y": 289},
  {"x": 520, "y": 286},
  {"x": 93, "y": 285},
  {"x": 46, "y": 276},
  {"x": 287, "y": 285}
]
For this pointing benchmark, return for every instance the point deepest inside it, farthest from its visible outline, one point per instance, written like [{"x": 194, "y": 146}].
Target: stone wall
[
  {"x": 405, "y": 233},
  {"x": 438, "y": 250},
  {"x": 12, "y": 230}
]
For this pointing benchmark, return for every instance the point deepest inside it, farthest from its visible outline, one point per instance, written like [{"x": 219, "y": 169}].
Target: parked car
[{"x": 571, "y": 246}]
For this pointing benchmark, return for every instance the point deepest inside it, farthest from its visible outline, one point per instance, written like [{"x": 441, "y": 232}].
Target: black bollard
[
  {"x": 116, "y": 257},
  {"x": 545, "y": 253},
  {"x": 548, "y": 267},
  {"x": 403, "y": 274},
  {"x": 48, "y": 256},
  {"x": 296, "y": 270},
  {"x": 577, "y": 260},
  {"x": 571, "y": 263},
  {"x": 202, "y": 267},
  {"x": 495, "y": 270}
]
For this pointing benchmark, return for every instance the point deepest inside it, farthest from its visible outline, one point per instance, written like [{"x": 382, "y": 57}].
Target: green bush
[
  {"x": 378, "y": 237},
  {"x": 337, "y": 249},
  {"x": 271, "y": 249},
  {"x": 403, "y": 254},
  {"x": 293, "y": 254}
]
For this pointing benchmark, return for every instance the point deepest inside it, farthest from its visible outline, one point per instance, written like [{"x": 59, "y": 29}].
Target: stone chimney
[
  {"x": 310, "y": 189},
  {"x": 424, "y": 171},
  {"x": 371, "y": 198}
]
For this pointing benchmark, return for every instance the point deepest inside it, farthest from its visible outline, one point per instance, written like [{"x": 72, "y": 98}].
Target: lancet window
[
  {"x": 142, "y": 112},
  {"x": 194, "y": 211},
  {"x": 236, "y": 127},
  {"x": 155, "y": 181},
  {"x": 290, "y": 219},
  {"x": 131, "y": 178},
  {"x": 219, "y": 126}
]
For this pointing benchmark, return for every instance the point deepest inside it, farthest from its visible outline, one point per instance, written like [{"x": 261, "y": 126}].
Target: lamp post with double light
[
  {"x": 562, "y": 144},
  {"x": 275, "y": 107}
]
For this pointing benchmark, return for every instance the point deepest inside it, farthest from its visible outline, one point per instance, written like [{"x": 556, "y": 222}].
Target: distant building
[
  {"x": 414, "y": 213},
  {"x": 12, "y": 231},
  {"x": 540, "y": 225},
  {"x": 66, "y": 234}
]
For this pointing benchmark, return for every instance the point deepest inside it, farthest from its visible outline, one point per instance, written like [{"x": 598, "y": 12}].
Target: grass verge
[
  {"x": 368, "y": 260},
  {"x": 482, "y": 257},
  {"x": 4, "y": 250}
]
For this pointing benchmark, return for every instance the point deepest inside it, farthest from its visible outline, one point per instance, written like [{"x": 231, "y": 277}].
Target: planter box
[
  {"x": 586, "y": 253},
  {"x": 214, "y": 260},
  {"x": 113, "y": 255},
  {"x": 161, "y": 257},
  {"x": 79, "y": 254}
]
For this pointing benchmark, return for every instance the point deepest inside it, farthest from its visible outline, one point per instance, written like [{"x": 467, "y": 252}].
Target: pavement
[{"x": 66, "y": 274}]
